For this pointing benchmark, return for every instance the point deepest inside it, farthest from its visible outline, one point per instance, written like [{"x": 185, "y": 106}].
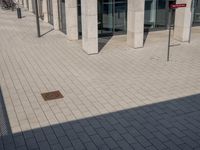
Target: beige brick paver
[{"x": 122, "y": 98}]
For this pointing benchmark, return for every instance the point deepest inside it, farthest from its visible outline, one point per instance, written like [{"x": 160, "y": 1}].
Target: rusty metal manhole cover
[{"x": 52, "y": 95}]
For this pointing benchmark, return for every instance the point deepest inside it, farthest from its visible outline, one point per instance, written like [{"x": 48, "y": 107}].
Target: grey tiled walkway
[{"x": 122, "y": 98}]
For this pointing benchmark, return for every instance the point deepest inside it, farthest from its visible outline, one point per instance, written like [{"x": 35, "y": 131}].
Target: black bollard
[{"x": 19, "y": 14}]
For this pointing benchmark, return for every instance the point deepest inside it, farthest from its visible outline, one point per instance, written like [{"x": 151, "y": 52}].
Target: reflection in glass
[
  {"x": 196, "y": 12},
  {"x": 62, "y": 16},
  {"x": 50, "y": 11}
]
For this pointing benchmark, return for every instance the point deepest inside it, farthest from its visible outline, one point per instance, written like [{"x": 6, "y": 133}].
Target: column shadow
[
  {"x": 46, "y": 32},
  {"x": 102, "y": 41}
]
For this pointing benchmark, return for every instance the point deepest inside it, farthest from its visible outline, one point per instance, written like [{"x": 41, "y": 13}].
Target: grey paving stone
[
  {"x": 160, "y": 136},
  {"x": 102, "y": 132},
  {"x": 191, "y": 143},
  {"x": 143, "y": 141},
  {"x": 90, "y": 145},
  {"x": 77, "y": 127},
  {"x": 146, "y": 133},
  {"x": 124, "y": 145},
  {"x": 172, "y": 146},
  {"x": 22, "y": 148},
  {"x": 59, "y": 132},
  {"x": 56, "y": 147},
  {"x": 119, "y": 128},
  {"x": 185, "y": 147},
  {"x": 137, "y": 146},
  {"x": 79, "y": 146},
  {"x": 71, "y": 134},
  {"x": 89, "y": 130},
  {"x": 9, "y": 147},
  {"x": 177, "y": 132},
  {"x": 84, "y": 137},
  {"x": 115, "y": 135},
  {"x": 31, "y": 143},
  {"x": 157, "y": 143},
  {"x": 44, "y": 145},
  {"x": 52, "y": 139},
  {"x": 176, "y": 140},
  {"x": 19, "y": 141},
  {"x": 8, "y": 140},
  {"x": 129, "y": 138},
  {"x": 28, "y": 134},
  {"x": 64, "y": 141},
  {"x": 110, "y": 143},
  {"x": 97, "y": 140},
  {"x": 94, "y": 122},
  {"x": 39, "y": 135},
  {"x": 150, "y": 148}
]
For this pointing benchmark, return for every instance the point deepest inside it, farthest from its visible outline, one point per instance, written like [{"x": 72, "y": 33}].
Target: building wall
[{"x": 111, "y": 17}]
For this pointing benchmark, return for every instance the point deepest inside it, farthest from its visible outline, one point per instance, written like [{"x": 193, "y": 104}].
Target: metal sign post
[
  {"x": 171, "y": 7},
  {"x": 169, "y": 38},
  {"x": 37, "y": 18}
]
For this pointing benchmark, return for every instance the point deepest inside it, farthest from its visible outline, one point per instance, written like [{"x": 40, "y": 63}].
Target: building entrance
[
  {"x": 112, "y": 17},
  {"x": 62, "y": 16},
  {"x": 157, "y": 13}
]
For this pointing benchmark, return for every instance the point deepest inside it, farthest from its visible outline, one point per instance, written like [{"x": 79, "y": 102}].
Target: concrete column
[
  {"x": 25, "y": 4},
  {"x": 20, "y": 2},
  {"x": 30, "y": 5},
  {"x": 55, "y": 15},
  {"x": 182, "y": 21},
  {"x": 89, "y": 26},
  {"x": 135, "y": 29},
  {"x": 71, "y": 19}
]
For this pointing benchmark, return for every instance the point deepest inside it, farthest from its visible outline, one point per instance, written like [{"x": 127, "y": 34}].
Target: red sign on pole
[{"x": 174, "y": 6}]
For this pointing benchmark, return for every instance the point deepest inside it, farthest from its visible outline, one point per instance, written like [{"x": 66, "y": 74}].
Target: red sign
[{"x": 174, "y": 6}]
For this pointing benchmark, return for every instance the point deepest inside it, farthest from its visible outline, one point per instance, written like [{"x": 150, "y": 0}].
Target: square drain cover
[{"x": 52, "y": 95}]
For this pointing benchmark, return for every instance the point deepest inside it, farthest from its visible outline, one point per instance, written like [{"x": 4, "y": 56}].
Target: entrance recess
[
  {"x": 112, "y": 17},
  {"x": 50, "y": 11},
  {"x": 62, "y": 16},
  {"x": 156, "y": 14},
  {"x": 196, "y": 19}
]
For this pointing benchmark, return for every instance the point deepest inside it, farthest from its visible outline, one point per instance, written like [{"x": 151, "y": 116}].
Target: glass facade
[
  {"x": 157, "y": 13},
  {"x": 112, "y": 16},
  {"x": 40, "y": 13},
  {"x": 50, "y": 11},
  {"x": 196, "y": 19},
  {"x": 62, "y": 16}
]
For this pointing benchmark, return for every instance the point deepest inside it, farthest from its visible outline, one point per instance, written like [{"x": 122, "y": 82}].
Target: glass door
[
  {"x": 196, "y": 19},
  {"x": 27, "y": 2},
  {"x": 62, "y": 16},
  {"x": 33, "y": 5},
  {"x": 105, "y": 17},
  {"x": 112, "y": 17},
  {"x": 50, "y": 11},
  {"x": 157, "y": 13},
  {"x": 150, "y": 14},
  {"x": 120, "y": 16},
  {"x": 40, "y": 3}
]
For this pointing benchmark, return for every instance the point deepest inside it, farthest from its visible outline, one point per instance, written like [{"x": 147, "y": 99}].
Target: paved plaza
[{"x": 121, "y": 98}]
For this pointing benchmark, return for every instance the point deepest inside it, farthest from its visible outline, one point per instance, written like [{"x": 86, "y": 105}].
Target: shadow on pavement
[
  {"x": 46, "y": 32},
  {"x": 173, "y": 124}
]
